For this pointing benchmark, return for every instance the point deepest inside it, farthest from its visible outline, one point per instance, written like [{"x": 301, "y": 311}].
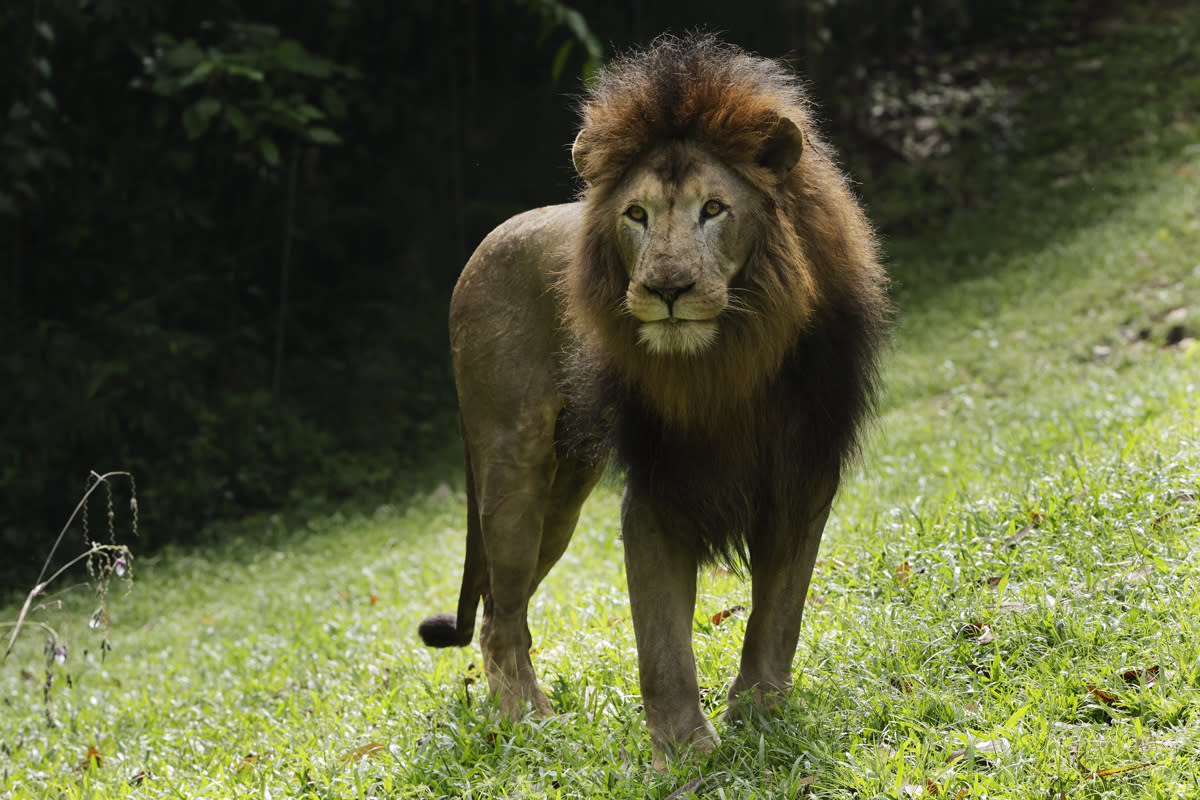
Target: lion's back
[{"x": 505, "y": 327}]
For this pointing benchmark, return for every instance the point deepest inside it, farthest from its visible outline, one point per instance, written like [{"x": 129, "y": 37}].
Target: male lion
[{"x": 711, "y": 309}]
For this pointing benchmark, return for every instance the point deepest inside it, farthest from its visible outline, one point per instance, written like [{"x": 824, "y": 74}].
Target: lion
[{"x": 710, "y": 311}]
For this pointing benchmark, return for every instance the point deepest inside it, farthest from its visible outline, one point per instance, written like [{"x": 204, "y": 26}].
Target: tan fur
[{"x": 714, "y": 209}]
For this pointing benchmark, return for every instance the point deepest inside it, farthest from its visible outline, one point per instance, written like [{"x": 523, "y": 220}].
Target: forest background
[{"x": 229, "y": 231}]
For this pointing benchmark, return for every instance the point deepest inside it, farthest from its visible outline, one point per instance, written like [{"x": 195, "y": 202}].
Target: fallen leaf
[
  {"x": 1011, "y": 541},
  {"x": 980, "y": 631},
  {"x": 721, "y": 616},
  {"x": 1107, "y": 698},
  {"x": 1144, "y": 677},
  {"x": 1139, "y": 574},
  {"x": 1104, "y": 773},
  {"x": 249, "y": 760},
  {"x": 981, "y": 749},
  {"x": 1073, "y": 749},
  {"x": 683, "y": 791},
  {"x": 359, "y": 753},
  {"x": 984, "y": 670},
  {"x": 1012, "y": 605},
  {"x": 91, "y": 760},
  {"x": 468, "y": 680}
]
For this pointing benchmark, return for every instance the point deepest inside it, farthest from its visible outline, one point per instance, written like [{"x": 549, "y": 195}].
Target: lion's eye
[
  {"x": 711, "y": 209},
  {"x": 637, "y": 214}
]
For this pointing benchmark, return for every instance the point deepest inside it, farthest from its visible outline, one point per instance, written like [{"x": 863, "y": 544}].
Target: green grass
[{"x": 1024, "y": 527}]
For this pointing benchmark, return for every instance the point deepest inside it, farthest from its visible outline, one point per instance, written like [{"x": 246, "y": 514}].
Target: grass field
[{"x": 1007, "y": 603}]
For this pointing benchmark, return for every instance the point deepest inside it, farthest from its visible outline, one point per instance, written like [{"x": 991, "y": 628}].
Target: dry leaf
[
  {"x": 980, "y": 631},
  {"x": 721, "y": 616},
  {"x": 1104, "y": 773},
  {"x": 981, "y": 669},
  {"x": 91, "y": 760},
  {"x": 1018, "y": 536},
  {"x": 981, "y": 749},
  {"x": 1145, "y": 677},
  {"x": 1139, "y": 574},
  {"x": 1012, "y": 605},
  {"x": 249, "y": 760},
  {"x": 1107, "y": 698},
  {"x": 683, "y": 791},
  {"x": 359, "y": 753}
]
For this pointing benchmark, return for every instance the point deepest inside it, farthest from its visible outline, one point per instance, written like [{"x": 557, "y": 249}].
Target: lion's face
[{"x": 685, "y": 226}]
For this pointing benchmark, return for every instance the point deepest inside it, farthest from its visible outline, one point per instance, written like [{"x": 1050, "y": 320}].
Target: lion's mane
[{"x": 776, "y": 404}]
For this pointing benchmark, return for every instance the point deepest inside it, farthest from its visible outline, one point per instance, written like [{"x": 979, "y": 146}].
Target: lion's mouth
[{"x": 675, "y": 336}]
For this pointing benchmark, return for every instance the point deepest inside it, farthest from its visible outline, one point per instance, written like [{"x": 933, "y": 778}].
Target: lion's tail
[{"x": 456, "y": 630}]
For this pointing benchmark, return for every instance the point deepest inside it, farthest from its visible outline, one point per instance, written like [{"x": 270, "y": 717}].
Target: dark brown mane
[{"x": 795, "y": 365}]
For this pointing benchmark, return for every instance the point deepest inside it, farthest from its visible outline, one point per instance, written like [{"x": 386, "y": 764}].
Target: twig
[{"x": 41, "y": 584}]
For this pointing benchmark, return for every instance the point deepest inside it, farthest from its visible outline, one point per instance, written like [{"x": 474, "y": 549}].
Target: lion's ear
[
  {"x": 579, "y": 155},
  {"x": 783, "y": 149}
]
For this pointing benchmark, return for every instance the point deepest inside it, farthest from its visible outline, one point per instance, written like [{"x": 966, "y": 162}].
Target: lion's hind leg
[{"x": 513, "y": 494}]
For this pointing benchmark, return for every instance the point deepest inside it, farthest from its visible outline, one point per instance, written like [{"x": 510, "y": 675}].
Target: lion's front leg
[
  {"x": 781, "y": 565},
  {"x": 661, "y": 571}
]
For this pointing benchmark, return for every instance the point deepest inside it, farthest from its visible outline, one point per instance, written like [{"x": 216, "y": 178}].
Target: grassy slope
[{"x": 284, "y": 662}]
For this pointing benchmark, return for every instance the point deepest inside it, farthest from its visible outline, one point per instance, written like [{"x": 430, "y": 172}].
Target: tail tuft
[{"x": 441, "y": 630}]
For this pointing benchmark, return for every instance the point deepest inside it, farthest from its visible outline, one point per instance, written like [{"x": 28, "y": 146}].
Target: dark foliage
[{"x": 229, "y": 230}]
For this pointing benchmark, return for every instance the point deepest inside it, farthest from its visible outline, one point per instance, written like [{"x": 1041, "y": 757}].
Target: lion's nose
[{"x": 669, "y": 293}]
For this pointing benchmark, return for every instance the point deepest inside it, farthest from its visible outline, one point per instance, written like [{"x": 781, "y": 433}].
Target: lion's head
[
  {"x": 717, "y": 229},
  {"x": 685, "y": 226}
]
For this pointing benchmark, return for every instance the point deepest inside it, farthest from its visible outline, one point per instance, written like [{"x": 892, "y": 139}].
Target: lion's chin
[{"x": 678, "y": 337}]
